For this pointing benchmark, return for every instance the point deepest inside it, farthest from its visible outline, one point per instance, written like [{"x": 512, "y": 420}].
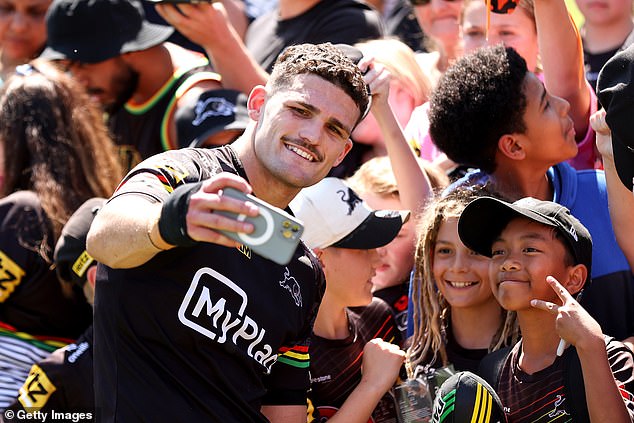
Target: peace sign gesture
[{"x": 573, "y": 323}]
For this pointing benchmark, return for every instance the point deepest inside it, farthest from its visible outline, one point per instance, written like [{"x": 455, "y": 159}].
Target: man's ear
[
  {"x": 256, "y": 100},
  {"x": 346, "y": 148},
  {"x": 510, "y": 145},
  {"x": 577, "y": 276}
]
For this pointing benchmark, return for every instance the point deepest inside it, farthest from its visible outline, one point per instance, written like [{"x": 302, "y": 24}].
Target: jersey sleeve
[
  {"x": 158, "y": 176},
  {"x": 621, "y": 360}
]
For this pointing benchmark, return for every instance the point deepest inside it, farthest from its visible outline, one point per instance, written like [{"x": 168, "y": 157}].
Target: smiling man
[{"x": 189, "y": 315}]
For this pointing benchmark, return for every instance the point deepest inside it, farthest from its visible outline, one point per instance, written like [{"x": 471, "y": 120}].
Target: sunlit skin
[
  {"x": 605, "y": 12},
  {"x": 397, "y": 257},
  {"x": 524, "y": 254},
  {"x": 515, "y": 30},
  {"x": 348, "y": 275},
  {"x": 110, "y": 82},
  {"x": 302, "y": 132},
  {"x": 22, "y": 30},
  {"x": 461, "y": 275},
  {"x": 549, "y": 131},
  {"x": 402, "y": 104}
]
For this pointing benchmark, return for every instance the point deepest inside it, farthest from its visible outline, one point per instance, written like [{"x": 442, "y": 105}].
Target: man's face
[
  {"x": 523, "y": 255},
  {"x": 111, "y": 82},
  {"x": 303, "y": 130},
  {"x": 550, "y": 136}
]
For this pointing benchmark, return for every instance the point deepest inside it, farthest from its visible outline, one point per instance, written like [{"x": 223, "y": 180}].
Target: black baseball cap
[
  {"x": 615, "y": 89},
  {"x": 214, "y": 111},
  {"x": 482, "y": 221},
  {"x": 70, "y": 256},
  {"x": 91, "y": 31},
  {"x": 466, "y": 397}
]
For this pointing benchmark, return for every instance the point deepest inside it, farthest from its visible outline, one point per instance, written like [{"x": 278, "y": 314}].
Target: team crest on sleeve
[
  {"x": 36, "y": 389},
  {"x": 215, "y": 307},
  {"x": 11, "y": 275}
]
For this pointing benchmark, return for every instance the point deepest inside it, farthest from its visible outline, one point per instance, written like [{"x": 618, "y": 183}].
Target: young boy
[
  {"x": 353, "y": 363},
  {"x": 541, "y": 257},
  {"x": 490, "y": 112}
]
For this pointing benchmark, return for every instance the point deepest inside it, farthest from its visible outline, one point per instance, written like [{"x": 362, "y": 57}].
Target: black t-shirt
[
  {"x": 594, "y": 62},
  {"x": 62, "y": 382},
  {"x": 336, "y": 21},
  {"x": 335, "y": 368},
  {"x": 543, "y": 397},
  {"x": 397, "y": 297},
  {"x": 31, "y": 297},
  {"x": 207, "y": 333},
  {"x": 141, "y": 131}
]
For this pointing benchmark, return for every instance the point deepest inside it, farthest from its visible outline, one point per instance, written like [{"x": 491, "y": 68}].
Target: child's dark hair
[{"x": 479, "y": 99}]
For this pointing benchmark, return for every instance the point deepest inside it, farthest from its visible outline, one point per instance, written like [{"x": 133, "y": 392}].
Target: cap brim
[
  {"x": 377, "y": 230},
  {"x": 482, "y": 221},
  {"x": 87, "y": 49},
  {"x": 624, "y": 161}
]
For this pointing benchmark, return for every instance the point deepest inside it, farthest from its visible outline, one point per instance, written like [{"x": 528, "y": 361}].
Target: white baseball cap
[{"x": 335, "y": 216}]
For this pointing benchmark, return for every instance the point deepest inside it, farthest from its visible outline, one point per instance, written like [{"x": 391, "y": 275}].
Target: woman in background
[{"x": 55, "y": 153}]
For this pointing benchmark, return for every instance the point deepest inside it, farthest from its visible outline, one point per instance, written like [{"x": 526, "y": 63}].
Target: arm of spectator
[
  {"x": 413, "y": 183},
  {"x": 285, "y": 413},
  {"x": 208, "y": 25},
  {"x": 236, "y": 12},
  {"x": 620, "y": 199},
  {"x": 126, "y": 234},
  {"x": 578, "y": 328},
  {"x": 562, "y": 59},
  {"x": 380, "y": 368}
]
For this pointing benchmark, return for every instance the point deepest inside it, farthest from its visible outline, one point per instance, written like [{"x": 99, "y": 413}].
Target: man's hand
[{"x": 203, "y": 224}]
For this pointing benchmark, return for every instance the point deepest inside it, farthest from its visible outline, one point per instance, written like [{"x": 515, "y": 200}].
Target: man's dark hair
[
  {"x": 479, "y": 99},
  {"x": 325, "y": 61}
]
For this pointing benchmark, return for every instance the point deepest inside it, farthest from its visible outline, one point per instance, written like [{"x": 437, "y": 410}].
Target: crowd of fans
[{"x": 462, "y": 170}]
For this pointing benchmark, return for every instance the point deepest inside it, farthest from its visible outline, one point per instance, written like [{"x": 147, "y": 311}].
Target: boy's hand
[
  {"x": 574, "y": 325},
  {"x": 381, "y": 364}
]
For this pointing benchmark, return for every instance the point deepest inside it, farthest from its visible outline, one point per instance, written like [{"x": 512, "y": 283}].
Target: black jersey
[
  {"x": 397, "y": 297},
  {"x": 335, "y": 368},
  {"x": 207, "y": 333},
  {"x": 336, "y": 21},
  {"x": 62, "y": 382},
  {"x": 35, "y": 316},
  {"x": 142, "y": 130},
  {"x": 544, "y": 397},
  {"x": 31, "y": 298}
]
